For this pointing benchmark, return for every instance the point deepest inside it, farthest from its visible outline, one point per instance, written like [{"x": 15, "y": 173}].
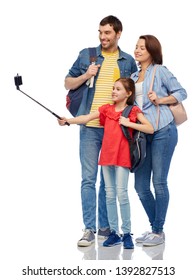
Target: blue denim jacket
[
  {"x": 126, "y": 65},
  {"x": 164, "y": 84}
]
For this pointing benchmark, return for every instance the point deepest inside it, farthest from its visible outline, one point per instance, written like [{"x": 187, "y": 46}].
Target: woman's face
[{"x": 141, "y": 53}]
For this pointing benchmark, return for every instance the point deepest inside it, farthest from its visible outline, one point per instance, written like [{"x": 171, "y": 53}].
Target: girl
[{"x": 115, "y": 155}]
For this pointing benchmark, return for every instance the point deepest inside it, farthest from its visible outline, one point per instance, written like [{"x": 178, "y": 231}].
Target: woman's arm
[
  {"x": 171, "y": 89},
  {"x": 162, "y": 100}
]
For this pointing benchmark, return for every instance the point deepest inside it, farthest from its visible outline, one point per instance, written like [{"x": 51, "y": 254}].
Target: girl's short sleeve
[
  {"x": 103, "y": 110},
  {"x": 133, "y": 116}
]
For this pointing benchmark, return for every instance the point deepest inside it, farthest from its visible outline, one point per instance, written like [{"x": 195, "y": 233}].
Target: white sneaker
[
  {"x": 87, "y": 239},
  {"x": 142, "y": 238},
  {"x": 154, "y": 239}
]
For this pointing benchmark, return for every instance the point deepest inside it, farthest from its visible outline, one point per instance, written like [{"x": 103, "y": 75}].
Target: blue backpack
[{"x": 74, "y": 96}]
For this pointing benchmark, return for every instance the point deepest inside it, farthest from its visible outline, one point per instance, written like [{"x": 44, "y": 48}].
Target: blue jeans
[
  {"x": 90, "y": 145},
  {"x": 116, "y": 186},
  {"x": 160, "y": 148}
]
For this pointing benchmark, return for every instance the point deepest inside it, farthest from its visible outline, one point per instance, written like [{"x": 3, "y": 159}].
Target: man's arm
[{"x": 75, "y": 82}]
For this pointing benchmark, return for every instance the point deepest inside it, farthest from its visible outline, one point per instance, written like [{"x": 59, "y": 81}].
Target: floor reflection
[
  {"x": 155, "y": 252},
  {"x": 97, "y": 252},
  {"x": 89, "y": 253}
]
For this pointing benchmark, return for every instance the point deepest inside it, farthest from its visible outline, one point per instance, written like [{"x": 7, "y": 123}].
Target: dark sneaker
[
  {"x": 113, "y": 239},
  {"x": 87, "y": 239},
  {"x": 127, "y": 241},
  {"x": 103, "y": 234}
]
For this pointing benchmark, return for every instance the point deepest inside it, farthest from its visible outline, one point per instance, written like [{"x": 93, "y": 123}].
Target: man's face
[{"x": 108, "y": 37}]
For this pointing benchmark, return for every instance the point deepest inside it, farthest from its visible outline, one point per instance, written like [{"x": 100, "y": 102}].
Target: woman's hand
[{"x": 153, "y": 97}]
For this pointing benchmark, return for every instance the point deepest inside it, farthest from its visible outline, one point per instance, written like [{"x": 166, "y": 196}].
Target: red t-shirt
[{"x": 115, "y": 147}]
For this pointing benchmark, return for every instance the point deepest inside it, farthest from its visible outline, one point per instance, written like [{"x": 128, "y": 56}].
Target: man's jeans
[
  {"x": 90, "y": 145},
  {"x": 160, "y": 148}
]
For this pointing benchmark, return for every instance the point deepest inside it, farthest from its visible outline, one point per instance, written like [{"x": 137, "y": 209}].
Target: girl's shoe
[
  {"x": 127, "y": 241},
  {"x": 113, "y": 239}
]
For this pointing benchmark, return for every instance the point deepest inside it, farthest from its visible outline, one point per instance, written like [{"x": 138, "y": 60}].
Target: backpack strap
[
  {"x": 151, "y": 89},
  {"x": 93, "y": 54},
  {"x": 125, "y": 113},
  {"x": 93, "y": 58}
]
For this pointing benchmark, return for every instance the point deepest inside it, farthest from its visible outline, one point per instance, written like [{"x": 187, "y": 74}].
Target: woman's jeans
[
  {"x": 160, "y": 148},
  {"x": 116, "y": 181},
  {"x": 90, "y": 145}
]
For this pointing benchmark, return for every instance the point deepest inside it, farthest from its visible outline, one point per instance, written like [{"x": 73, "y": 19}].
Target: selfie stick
[{"x": 18, "y": 82}]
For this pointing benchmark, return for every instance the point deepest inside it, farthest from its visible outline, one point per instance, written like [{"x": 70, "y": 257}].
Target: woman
[
  {"x": 161, "y": 145},
  {"x": 115, "y": 155}
]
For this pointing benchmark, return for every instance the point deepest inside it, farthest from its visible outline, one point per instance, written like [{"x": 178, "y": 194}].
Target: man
[{"x": 111, "y": 64}]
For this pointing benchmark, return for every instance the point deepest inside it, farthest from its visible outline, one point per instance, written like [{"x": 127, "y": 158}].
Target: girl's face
[
  {"x": 141, "y": 53},
  {"x": 119, "y": 93}
]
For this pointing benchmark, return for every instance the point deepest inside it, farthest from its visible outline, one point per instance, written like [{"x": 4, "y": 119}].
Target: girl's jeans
[
  {"x": 160, "y": 148},
  {"x": 116, "y": 181}
]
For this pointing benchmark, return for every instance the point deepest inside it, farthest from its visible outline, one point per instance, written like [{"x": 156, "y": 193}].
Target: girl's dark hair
[
  {"x": 129, "y": 85},
  {"x": 112, "y": 21},
  {"x": 154, "y": 48}
]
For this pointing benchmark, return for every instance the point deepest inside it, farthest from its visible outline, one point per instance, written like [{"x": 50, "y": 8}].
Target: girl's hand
[
  {"x": 62, "y": 121},
  {"x": 124, "y": 121},
  {"x": 153, "y": 97}
]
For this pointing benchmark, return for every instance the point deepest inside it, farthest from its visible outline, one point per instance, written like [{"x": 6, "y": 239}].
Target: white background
[{"x": 40, "y": 171}]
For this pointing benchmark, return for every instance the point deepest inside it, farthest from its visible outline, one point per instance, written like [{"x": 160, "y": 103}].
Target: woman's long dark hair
[{"x": 154, "y": 48}]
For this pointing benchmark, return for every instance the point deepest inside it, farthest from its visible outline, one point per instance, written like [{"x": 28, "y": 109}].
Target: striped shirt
[
  {"x": 109, "y": 73},
  {"x": 165, "y": 83}
]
